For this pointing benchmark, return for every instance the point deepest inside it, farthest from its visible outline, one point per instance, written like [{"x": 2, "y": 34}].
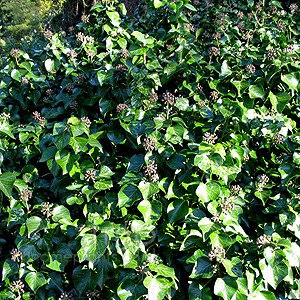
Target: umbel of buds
[
  {"x": 227, "y": 206},
  {"x": 151, "y": 171},
  {"x": 121, "y": 107},
  {"x": 90, "y": 175},
  {"x": 47, "y": 209},
  {"x": 66, "y": 296},
  {"x": 149, "y": 143},
  {"x": 262, "y": 181},
  {"x": 153, "y": 97},
  {"x": 210, "y": 138},
  {"x": 217, "y": 253},
  {"x": 38, "y": 118},
  {"x": 17, "y": 287},
  {"x": 250, "y": 69},
  {"x": 16, "y": 255},
  {"x": 263, "y": 240}
]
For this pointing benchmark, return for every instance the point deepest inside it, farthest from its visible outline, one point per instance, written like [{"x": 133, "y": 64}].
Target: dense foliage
[{"x": 154, "y": 157}]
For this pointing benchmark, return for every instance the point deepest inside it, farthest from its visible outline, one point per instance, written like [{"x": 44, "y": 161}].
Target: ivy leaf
[
  {"x": 9, "y": 268},
  {"x": 60, "y": 213},
  {"x": 199, "y": 292},
  {"x": 273, "y": 275},
  {"x": 158, "y": 287},
  {"x": 292, "y": 80},
  {"x": 202, "y": 269},
  {"x": 225, "y": 287},
  {"x": 93, "y": 247},
  {"x": 35, "y": 280},
  {"x": 256, "y": 91},
  {"x": 148, "y": 189},
  {"x": 162, "y": 270},
  {"x": 84, "y": 279},
  {"x": 128, "y": 194},
  {"x": 130, "y": 290},
  {"x": 7, "y": 180},
  {"x": 177, "y": 210},
  {"x": 208, "y": 191}
]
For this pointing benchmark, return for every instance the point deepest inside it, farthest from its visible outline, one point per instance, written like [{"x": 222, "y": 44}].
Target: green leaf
[
  {"x": 158, "y": 3},
  {"x": 60, "y": 213},
  {"x": 225, "y": 287},
  {"x": 225, "y": 70},
  {"x": 151, "y": 211},
  {"x": 103, "y": 184},
  {"x": 158, "y": 287},
  {"x": 163, "y": 270},
  {"x": 128, "y": 194},
  {"x": 292, "y": 80},
  {"x": 148, "y": 189},
  {"x": 35, "y": 280},
  {"x": 114, "y": 17},
  {"x": 199, "y": 292},
  {"x": 9, "y": 268},
  {"x": 7, "y": 180},
  {"x": 48, "y": 153},
  {"x": 176, "y": 161},
  {"x": 102, "y": 267},
  {"x": 177, "y": 210},
  {"x": 202, "y": 269},
  {"x": 65, "y": 160},
  {"x": 273, "y": 275},
  {"x": 256, "y": 91},
  {"x": 280, "y": 100},
  {"x": 208, "y": 191},
  {"x": 130, "y": 290},
  {"x": 35, "y": 224},
  {"x": 18, "y": 74},
  {"x": 93, "y": 247},
  {"x": 241, "y": 86},
  {"x": 49, "y": 65},
  {"x": 84, "y": 279}
]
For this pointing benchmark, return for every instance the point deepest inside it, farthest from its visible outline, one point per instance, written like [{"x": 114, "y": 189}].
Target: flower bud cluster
[
  {"x": 144, "y": 269},
  {"x": 236, "y": 189},
  {"x": 271, "y": 54},
  {"x": 79, "y": 78},
  {"x": 91, "y": 53},
  {"x": 121, "y": 107},
  {"x": 149, "y": 143},
  {"x": 221, "y": 19},
  {"x": 293, "y": 7},
  {"x": 85, "y": 39},
  {"x": 125, "y": 53},
  {"x": 281, "y": 26},
  {"x": 48, "y": 34},
  {"x": 273, "y": 9},
  {"x": 15, "y": 52},
  {"x": 227, "y": 206},
  {"x": 38, "y": 118},
  {"x": 168, "y": 98},
  {"x": 24, "y": 80},
  {"x": 277, "y": 138},
  {"x": 120, "y": 69},
  {"x": 5, "y": 116},
  {"x": 263, "y": 240},
  {"x": 69, "y": 87},
  {"x": 47, "y": 209},
  {"x": 90, "y": 175},
  {"x": 72, "y": 54},
  {"x": 262, "y": 181},
  {"x": 25, "y": 195},
  {"x": 16, "y": 255},
  {"x": 189, "y": 27},
  {"x": 151, "y": 171},
  {"x": 86, "y": 120},
  {"x": 73, "y": 104},
  {"x": 17, "y": 286},
  {"x": 250, "y": 69},
  {"x": 214, "y": 95},
  {"x": 199, "y": 88},
  {"x": 153, "y": 97},
  {"x": 213, "y": 51},
  {"x": 240, "y": 15},
  {"x": 217, "y": 253},
  {"x": 210, "y": 138},
  {"x": 66, "y": 296},
  {"x": 93, "y": 295},
  {"x": 84, "y": 18},
  {"x": 201, "y": 103}
]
